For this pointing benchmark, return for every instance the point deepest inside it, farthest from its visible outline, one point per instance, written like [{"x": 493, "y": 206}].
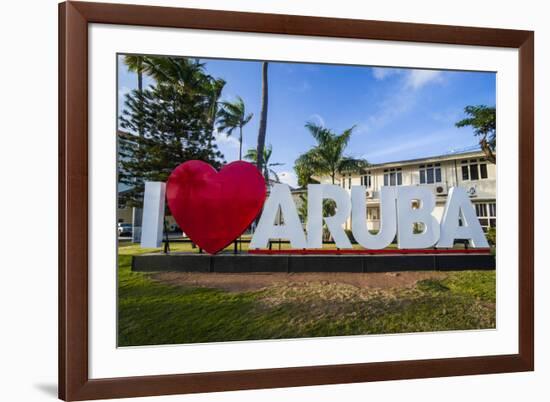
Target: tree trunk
[
  {"x": 491, "y": 157},
  {"x": 266, "y": 177},
  {"x": 140, "y": 89},
  {"x": 263, "y": 120},
  {"x": 240, "y": 142}
]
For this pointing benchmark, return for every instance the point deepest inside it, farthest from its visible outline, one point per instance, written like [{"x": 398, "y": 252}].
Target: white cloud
[
  {"x": 381, "y": 73},
  {"x": 229, "y": 146},
  {"x": 362, "y": 128},
  {"x": 319, "y": 119},
  {"x": 288, "y": 177},
  {"x": 449, "y": 116},
  {"x": 227, "y": 140},
  {"x": 416, "y": 79},
  {"x": 403, "y": 99},
  {"x": 407, "y": 144},
  {"x": 122, "y": 91},
  {"x": 413, "y": 79},
  {"x": 393, "y": 106}
]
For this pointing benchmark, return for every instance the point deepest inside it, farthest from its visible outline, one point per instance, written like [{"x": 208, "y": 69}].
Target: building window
[
  {"x": 481, "y": 210},
  {"x": 474, "y": 169},
  {"x": 487, "y": 214},
  {"x": 393, "y": 177},
  {"x": 483, "y": 170},
  {"x": 474, "y": 172},
  {"x": 345, "y": 180},
  {"x": 366, "y": 180},
  {"x": 430, "y": 173},
  {"x": 492, "y": 209}
]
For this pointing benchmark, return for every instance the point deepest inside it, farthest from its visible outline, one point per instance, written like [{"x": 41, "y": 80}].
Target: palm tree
[
  {"x": 186, "y": 74},
  {"x": 263, "y": 119},
  {"x": 267, "y": 169},
  {"x": 213, "y": 89},
  {"x": 327, "y": 157},
  {"x": 232, "y": 115},
  {"x": 135, "y": 63}
]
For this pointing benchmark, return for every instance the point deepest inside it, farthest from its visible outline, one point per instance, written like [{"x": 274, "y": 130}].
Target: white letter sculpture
[
  {"x": 291, "y": 228},
  {"x": 458, "y": 206},
  {"x": 316, "y": 193},
  {"x": 407, "y": 217},
  {"x": 153, "y": 214},
  {"x": 388, "y": 224}
]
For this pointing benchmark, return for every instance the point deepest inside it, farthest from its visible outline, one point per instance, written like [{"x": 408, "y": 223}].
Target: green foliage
[
  {"x": 167, "y": 123},
  {"x": 267, "y": 166},
  {"x": 483, "y": 120},
  {"x": 304, "y": 173},
  {"x": 329, "y": 207},
  {"x": 491, "y": 236},
  {"x": 328, "y": 157},
  {"x": 232, "y": 115}
]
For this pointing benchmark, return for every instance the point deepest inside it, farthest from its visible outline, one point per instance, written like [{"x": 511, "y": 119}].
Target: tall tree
[
  {"x": 214, "y": 88},
  {"x": 328, "y": 157},
  {"x": 189, "y": 76},
  {"x": 232, "y": 116},
  {"x": 263, "y": 118},
  {"x": 267, "y": 168},
  {"x": 176, "y": 129},
  {"x": 482, "y": 119},
  {"x": 184, "y": 73},
  {"x": 135, "y": 63},
  {"x": 304, "y": 173}
]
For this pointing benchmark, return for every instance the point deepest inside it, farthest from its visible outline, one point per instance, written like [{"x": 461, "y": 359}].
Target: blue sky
[{"x": 398, "y": 113}]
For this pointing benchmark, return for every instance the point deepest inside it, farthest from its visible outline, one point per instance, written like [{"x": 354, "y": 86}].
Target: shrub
[{"x": 491, "y": 236}]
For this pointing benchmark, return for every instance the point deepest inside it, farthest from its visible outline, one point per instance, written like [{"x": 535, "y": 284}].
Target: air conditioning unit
[
  {"x": 441, "y": 190},
  {"x": 472, "y": 191},
  {"x": 370, "y": 194}
]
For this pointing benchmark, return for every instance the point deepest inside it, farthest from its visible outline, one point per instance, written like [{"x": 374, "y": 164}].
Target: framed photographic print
[{"x": 260, "y": 200}]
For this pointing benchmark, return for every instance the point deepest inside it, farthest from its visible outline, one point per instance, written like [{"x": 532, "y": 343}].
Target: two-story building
[{"x": 470, "y": 171}]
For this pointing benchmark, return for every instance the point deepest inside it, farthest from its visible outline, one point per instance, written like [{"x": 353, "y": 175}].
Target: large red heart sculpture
[{"x": 214, "y": 208}]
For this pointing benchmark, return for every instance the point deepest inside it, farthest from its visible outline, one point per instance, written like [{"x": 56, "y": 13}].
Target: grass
[{"x": 153, "y": 313}]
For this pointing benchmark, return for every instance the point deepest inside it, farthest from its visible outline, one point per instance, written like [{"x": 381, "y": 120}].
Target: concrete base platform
[{"x": 241, "y": 263}]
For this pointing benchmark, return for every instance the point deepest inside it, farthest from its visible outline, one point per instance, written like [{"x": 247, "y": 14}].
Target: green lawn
[{"x": 152, "y": 313}]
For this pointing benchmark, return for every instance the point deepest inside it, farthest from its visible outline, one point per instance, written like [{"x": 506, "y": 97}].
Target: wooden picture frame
[{"x": 74, "y": 381}]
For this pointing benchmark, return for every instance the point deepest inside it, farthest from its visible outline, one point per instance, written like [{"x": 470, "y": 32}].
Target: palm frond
[
  {"x": 348, "y": 164},
  {"x": 327, "y": 157},
  {"x": 321, "y": 134},
  {"x": 251, "y": 155}
]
